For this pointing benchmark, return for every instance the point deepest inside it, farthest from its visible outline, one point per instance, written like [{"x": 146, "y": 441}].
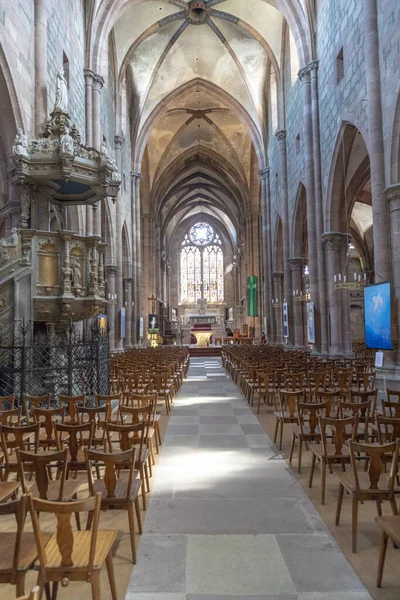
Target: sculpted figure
[
  {"x": 76, "y": 272},
  {"x": 20, "y": 145},
  {"x": 66, "y": 143},
  {"x": 62, "y": 92}
]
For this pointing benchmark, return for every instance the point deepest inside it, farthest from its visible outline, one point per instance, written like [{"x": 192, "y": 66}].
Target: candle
[
  {"x": 355, "y": 276},
  {"x": 340, "y": 277},
  {"x": 334, "y": 278}
]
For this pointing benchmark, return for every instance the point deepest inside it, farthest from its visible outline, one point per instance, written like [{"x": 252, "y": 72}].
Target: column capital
[
  {"x": 263, "y": 173},
  {"x": 281, "y": 135},
  {"x": 335, "y": 240},
  {"x": 95, "y": 77},
  {"x": 296, "y": 264},
  {"x": 111, "y": 270},
  {"x": 312, "y": 66},
  {"x": 136, "y": 176},
  {"x": 118, "y": 141},
  {"x": 392, "y": 192}
]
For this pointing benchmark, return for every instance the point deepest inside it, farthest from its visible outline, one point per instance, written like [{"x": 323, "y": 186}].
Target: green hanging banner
[{"x": 252, "y": 296}]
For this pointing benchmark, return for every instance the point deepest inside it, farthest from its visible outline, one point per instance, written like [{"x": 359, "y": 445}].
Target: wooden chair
[
  {"x": 162, "y": 388},
  {"x": 46, "y": 417},
  {"x": 288, "y": 400},
  {"x": 365, "y": 396},
  {"x": 117, "y": 493},
  {"x": 59, "y": 490},
  {"x": 10, "y": 417},
  {"x": 34, "y": 595},
  {"x": 307, "y": 430},
  {"x": 73, "y": 437},
  {"x": 362, "y": 411},
  {"x": 18, "y": 550},
  {"x": 393, "y": 395},
  {"x": 266, "y": 389},
  {"x": 388, "y": 429},
  {"x": 7, "y": 402},
  {"x": 71, "y": 403},
  {"x": 154, "y": 418},
  {"x": 390, "y": 529},
  {"x": 8, "y": 489},
  {"x": 332, "y": 450},
  {"x": 133, "y": 435},
  {"x": 101, "y": 399},
  {"x": 373, "y": 485},
  {"x": 97, "y": 416},
  {"x": 30, "y": 402},
  {"x": 23, "y": 437},
  {"x": 73, "y": 555}
]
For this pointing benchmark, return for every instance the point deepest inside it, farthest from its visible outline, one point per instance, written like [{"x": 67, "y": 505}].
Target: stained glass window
[{"x": 202, "y": 265}]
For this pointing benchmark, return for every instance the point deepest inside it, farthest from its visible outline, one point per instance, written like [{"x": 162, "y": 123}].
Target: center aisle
[{"x": 227, "y": 519}]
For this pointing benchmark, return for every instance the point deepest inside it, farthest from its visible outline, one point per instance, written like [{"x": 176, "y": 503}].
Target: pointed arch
[
  {"x": 277, "y": 259},
  {"x": 299, "y": 237},
  {"x": 126, "y": 252}
]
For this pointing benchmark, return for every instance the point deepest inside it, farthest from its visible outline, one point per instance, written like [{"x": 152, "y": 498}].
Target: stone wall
[{"x": 65, "y": 30}]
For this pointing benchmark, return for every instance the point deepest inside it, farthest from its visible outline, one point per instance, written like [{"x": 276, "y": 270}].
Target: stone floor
[{"x": 227, "y": 518}]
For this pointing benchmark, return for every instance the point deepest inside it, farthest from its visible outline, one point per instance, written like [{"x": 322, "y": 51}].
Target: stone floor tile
[
  {"x": 226, "y": 516},
  {"x": 262, "y": 455},
  {"x": 247, "y": 419},
  {"x": 253, "y": 428},
  {"x": 240, "y": 597},
  {"x": 222, "y": 441},
  {"x": 223, "y": 428},
  {"x": 225, "y": 420},
  {"x": 335, "y": 596},
  {"x": 154, "y": 596},
  {"x": 160, "y": 564},
  {"x": 173, "y": 429},
  {"x": 256, "y": 440},
  {"x": 190, "y": 420},
  {"x": 330, "y": 568},
  {"x": 189, "y": 441},
  {"x": 234, "y": 565}
]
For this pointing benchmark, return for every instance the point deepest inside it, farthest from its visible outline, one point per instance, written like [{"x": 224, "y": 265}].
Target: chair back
[
  {"x": 361, "y": 409},
  {"x": 21, "y": 435},
  {"x": 74, "y": 439},
  {"x": 46, "y": 418},
  {"x": 308, "y": 414},
  {"x": 106, "y": 400},
  {"x": 71, "y": 403},
  {"x": 377, "y": 458},
  {"x": 364, "y": 396},
  {"x": 65, "y": 536},
  {"x": 393, "y": 395},
  {"x": 17, "y": 508},
  {"x": 288, "y": 400},
  {"x": 31, "y": 402},
  {"x": 7, "y": 402},
  {"x": 129, "y": 435},
  {"x": 339, "y": 428},
  {"x": 10, "y": 417},
  {"x": 40, "y": 463},
  {"x": 391, "y": 409},
  {"x": 113, "y": 463},
  {"x": 388, "y": 429}
]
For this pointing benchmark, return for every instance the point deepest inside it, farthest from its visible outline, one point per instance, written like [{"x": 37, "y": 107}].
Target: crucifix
[{"x": 153, "y": 305}]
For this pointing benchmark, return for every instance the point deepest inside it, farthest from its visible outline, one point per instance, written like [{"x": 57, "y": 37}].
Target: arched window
[{"x": 202, "y": 265}]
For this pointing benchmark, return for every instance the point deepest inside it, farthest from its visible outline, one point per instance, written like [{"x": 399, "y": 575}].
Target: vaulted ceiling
[{"x": 197, "y": 73}]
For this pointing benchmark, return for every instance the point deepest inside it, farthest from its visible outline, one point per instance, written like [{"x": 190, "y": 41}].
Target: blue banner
[{"x": 377, "y": 307}]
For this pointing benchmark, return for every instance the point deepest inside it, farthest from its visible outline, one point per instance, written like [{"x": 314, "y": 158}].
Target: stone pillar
[
  {"x": 345, "y": 298},
  {"x": 118, "y": 140},
  {"x": 297, "y": 266},
  {"x": 334, "y": 241},
  {"x": 380, "y": 212},
  {"x": 313, "y": 66},
  {"x": 393, "y": 196},
  {"x": 97, "y": 85},
  {"x": 267, "y": 251},
  {"x": 129, "y": 310},
  {"x": 111, "y": 273},
  {"x": 89, "y": 135},
  {"x": 278, "y": 311},
  {"x": 287, "y": 279},
  {"x": 304, "y": 76},
  {"x": 136, "y": 254},
  {"x": 41, "y": 65}
]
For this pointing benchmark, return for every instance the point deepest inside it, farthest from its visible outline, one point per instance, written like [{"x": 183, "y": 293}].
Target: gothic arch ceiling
[{"x": 197, "y": 77}]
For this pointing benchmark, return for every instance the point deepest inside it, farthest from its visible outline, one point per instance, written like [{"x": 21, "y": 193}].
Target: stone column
[
  {"x": 136, "y": 254},
  {"x": 41, "y": 65},
  {"x": 118, "y": 140},
  {"x": 89, "y": 136},
  {"x": 111, "y": 274},
  {"x": 297, "y": 266},
  {"x": 380, "y": 210},
  {"x": 313, "y": 66},
  {"x": 266, "y": 248},
  {"x": 128, "y": 309},
  {"x": 333, "y": 243},
  {"x": 345, "y": 298},
  {"x": 287, "y": 279},
  {"x": 393, "y": 196},
  {"x": 97, "y": 85},
  {"x": 278, "y": 311},
  {"x": 304, "y": 76}
]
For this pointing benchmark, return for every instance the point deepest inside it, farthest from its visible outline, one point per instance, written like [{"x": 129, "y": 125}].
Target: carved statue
[
  {"x": 67, "y": 143},
  {"x": 103, "y": 148},
  {"x": 163, "y": 258},
  {"x": 62, "y": 92},
  {"x": 169, "y": 268},
  {"x": 20, "y": 145},
  {"x": 76, "y": 272}
]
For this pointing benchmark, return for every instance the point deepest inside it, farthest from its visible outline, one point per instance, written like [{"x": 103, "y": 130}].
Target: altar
[{"x": 202, "y": 334}]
